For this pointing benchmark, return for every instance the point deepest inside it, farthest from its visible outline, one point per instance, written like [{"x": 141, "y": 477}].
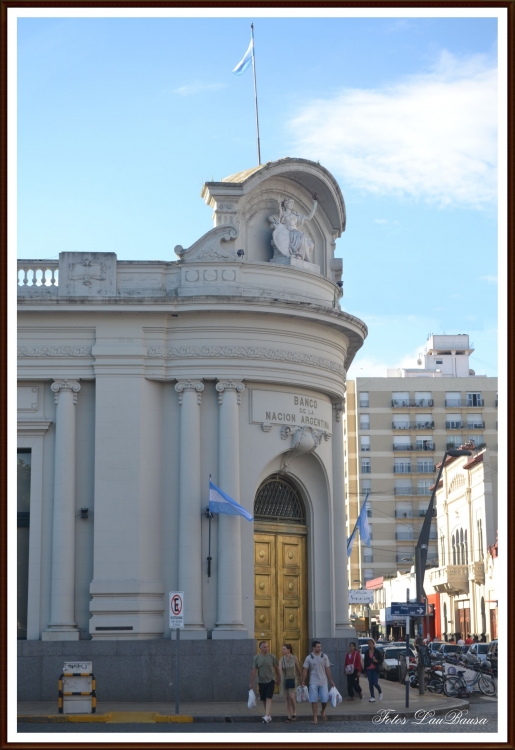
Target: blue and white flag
[
  {"x": 362, "y": 525},
  {"x": 219, "y": 502},
  {"x": 245, "y": 62}
]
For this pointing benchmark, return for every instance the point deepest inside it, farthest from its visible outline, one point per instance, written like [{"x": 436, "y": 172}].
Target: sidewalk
[{"x": 116, "y": 712}]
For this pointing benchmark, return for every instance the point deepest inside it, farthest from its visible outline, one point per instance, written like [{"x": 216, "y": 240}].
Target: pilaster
[{"x": 62, "y": 625}]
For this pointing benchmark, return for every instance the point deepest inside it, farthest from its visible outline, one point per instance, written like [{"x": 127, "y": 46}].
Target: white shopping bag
[
  {"x": 334, "y": 697},
  {"x": 305, "y": 694},
  {"x": 299, "y": 694},
  {"x": 252, "y": 699}
]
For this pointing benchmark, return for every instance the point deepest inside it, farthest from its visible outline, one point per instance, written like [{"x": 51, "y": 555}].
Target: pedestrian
[
  {"x": 373, "y": 659},
  {"x": 352, "y": 670},
  {"x": 461, "y": 642},
  {"x": 319, "y": 668},
  {"x": 290, "y": 668},
  {"x": 469, "y": 640},
  {"x": 264, "y": 665}
]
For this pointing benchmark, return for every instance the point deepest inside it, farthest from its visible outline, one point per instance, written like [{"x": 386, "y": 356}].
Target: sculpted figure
[{"x": 287, "y": 238}]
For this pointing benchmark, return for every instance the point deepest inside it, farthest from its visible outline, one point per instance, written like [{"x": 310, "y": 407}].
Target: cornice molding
[
  {"x": 54, "y": 351},
  {"x": 246, "y": 352}
]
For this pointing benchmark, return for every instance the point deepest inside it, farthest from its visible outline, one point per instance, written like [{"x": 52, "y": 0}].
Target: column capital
[
  {"x": 229, "y": 385},
  {"x": 65, "y": 385},
  {"x": 189, "y": 385},
  {"x": 339, "y": 408}
]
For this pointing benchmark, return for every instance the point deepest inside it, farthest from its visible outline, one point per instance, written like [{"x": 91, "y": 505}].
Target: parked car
[
  {"x": 449, "y": 649},
  {"x": 435, "y": 647},
  {"x": 491, "y": 655},
  {"x": 392, "y": 657},
  {"x": 476, "y": 653}
]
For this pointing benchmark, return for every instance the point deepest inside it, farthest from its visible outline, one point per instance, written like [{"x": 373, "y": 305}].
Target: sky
[{"x": 120, "y": 121}]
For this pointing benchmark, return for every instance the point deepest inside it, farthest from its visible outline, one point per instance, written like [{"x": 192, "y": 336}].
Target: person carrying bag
[
  {"x": 352, "y": 670},
  {"x": 290, "y": 668},
  {"x": 373, "y": 659}
]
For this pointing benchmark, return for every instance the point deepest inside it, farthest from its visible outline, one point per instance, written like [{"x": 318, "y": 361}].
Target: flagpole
[
  {"x": 255, "y": 92},
  {"x": 209, "y": 516}
]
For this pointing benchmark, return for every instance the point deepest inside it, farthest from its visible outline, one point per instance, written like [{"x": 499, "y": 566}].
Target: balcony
[
  {"x": 404, "y": 558},
  {"x": 422, "y": 512},
  {"x": 413, "y": 425},
  {"x": 454, "y": 402},
  {"x": 433, "y": 535},
  {"x": 402, "y": 447},
  {"x": 419, "y": 403},
  {"x": 475, "y": 425},
  {"x": 404, "y": 491},
  {"x": 426, "y": 445},
  {"x": 450, "y": 579},
  {"x": 404, "y": 536},
  {"x": 364, "y": 404},
  {"x": 365, "y": 447},
  {"x": 366, "y": 469},
  {"x": 424, "y": 425},
  {"x": 403, "y": 514},
  {"x": 473, "y": 403},
  {"x": 402, "y": 469},
  {"x": 426, "y": 468},
  {"x": 477, "y": 573},
  {"x": 454, "y": 425}
]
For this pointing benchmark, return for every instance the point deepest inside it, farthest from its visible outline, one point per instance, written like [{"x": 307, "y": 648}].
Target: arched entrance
[{"x": 280, "y": 566}]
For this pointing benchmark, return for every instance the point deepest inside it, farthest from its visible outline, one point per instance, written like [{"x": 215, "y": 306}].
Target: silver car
[{"x": 476, "y": 653}]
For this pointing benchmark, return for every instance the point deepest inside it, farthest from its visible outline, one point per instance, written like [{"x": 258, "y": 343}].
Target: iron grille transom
[{"x": 279, "y": 499}]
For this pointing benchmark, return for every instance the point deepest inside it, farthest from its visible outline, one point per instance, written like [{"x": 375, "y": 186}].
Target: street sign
[
  {"x": 177, "y": 609},
  {"x": 407, "y": 609},
  {"x": 360, "y": 596}
]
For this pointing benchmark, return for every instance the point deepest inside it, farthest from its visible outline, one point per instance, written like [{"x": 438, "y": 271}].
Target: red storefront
[{"x": 433, "y": 621}]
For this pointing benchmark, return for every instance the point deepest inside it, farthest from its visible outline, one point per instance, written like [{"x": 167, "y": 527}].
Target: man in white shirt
[{"x": 317, "y": 664}]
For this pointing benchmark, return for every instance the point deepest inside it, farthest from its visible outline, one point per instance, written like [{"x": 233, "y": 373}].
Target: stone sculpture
[{"x": 287, "y": 238}]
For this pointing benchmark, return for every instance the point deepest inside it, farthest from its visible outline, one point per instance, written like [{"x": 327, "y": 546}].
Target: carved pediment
[{"x": 215, "y": 246}]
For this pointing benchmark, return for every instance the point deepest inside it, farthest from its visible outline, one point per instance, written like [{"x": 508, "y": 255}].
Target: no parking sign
[{"x": 176, "y": 609}]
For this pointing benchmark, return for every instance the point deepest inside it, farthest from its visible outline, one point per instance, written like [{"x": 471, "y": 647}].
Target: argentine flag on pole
[
  {"x": 245, "y": 62},
  {"x": 219, "y": 502},
  {"x": 362, "y": 525}
]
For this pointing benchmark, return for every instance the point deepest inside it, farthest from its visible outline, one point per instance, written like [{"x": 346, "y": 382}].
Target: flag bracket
[{"x": 209, "y": 516}]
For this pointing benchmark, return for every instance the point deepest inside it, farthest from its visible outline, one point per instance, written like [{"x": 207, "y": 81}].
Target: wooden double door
[{"x": 280, "y": 587}]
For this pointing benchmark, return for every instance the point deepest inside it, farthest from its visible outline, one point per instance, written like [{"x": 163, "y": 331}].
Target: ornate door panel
[{"x": 280, "y": 590}]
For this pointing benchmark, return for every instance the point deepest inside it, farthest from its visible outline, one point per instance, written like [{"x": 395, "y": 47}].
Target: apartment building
[{"x": 396, "y": 430}]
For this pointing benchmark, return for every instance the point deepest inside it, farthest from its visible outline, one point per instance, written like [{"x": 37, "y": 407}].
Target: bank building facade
[{"x": 137, "y": 381}]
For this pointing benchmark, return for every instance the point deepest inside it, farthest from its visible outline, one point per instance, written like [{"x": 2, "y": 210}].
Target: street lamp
[{"x": 421, "y": 550}]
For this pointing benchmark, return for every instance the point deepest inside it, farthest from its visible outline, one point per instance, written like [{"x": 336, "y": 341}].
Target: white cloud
[
  {"x": 489, "y": 279},
  {"x": 431, "y": 136},
  {"x": 198, "y": 87}
]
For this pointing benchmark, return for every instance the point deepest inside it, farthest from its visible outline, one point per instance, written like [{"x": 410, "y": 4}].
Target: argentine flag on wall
[
  {"x": 219, "y": 502},
  {"x": 245, "y": 62},
  {"x": 362, "y": 525}
]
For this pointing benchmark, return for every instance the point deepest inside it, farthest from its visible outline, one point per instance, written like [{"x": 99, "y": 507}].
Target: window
[
  {"x": 369, "y": 509},
  {"x": 365, "y": 466},
  {"x": 402, "y": 467},
  {"x": 474, "y": 399},
  {"x": 477, "y": 439},
  {"x": 423, "y": 398},
  {"x": 439, "y": 361},
  {"x": 366, "y": 487},
  {"x": 423, "y": 486},
  {"x": 403, "y": 510},
  {"x": 364, "y": 442},
  {"x": 453, "y": 398},
  {"x": 368, "y": 574},
  {"x": 474, "y": 420},
  {"x": 401, "y": 422},
  {"x": 424, "y": 421},
  {"x": 479, "y": 526},
  {"x": 425, "y": 467},
  {"x": 403, "y": 487},
  {"x": 442, "y": 550},
  {"x": 403, "y": 532},
  {"x": 24, "y": 471},
  {"x": 364, "y": 421},
  {"x": 400, "y": 398},
  {"x": 453, "y": 549},
  {"x": 278, "y": 499},
  {"x": 454, "y": 441},
  {"x": 424, "y": 443},
  {"x": 453, "y": 421},
  {"x": 432, "y": 552},
  {"x": 401, "y": 442},
  {"x": 368, "y": 555},
  {"x": 405, "y": 555},
  {"x": 363, "y": 399},
  {"x": 433, "y": 534}
]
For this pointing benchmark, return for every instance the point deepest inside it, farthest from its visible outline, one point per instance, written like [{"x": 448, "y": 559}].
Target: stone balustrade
[{"x": 37, "y": 273}]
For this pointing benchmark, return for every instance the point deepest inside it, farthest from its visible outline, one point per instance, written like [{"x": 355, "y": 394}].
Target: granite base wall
[{"x": 144, "y": 671}]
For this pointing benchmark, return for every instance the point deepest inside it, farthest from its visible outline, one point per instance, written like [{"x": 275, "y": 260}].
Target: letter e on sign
[{"x": 176, "y": 609}]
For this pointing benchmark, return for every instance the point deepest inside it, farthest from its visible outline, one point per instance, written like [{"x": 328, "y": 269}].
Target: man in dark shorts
[{"x": 266, "y": 667}]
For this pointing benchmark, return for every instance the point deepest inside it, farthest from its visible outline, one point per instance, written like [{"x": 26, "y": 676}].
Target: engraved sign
[{"x": 299, "y": 409}]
